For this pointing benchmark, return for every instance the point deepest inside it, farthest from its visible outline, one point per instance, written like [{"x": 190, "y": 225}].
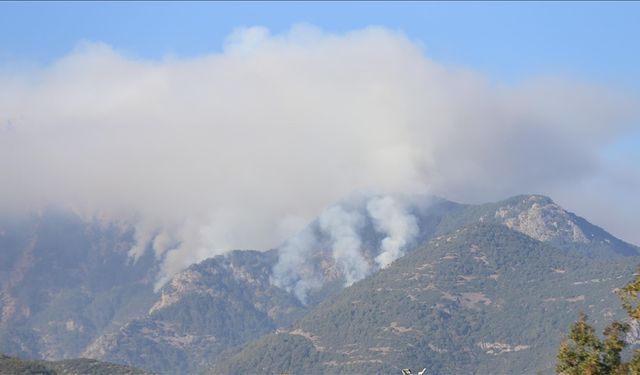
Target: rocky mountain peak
[{"x": 541, "y": 218}]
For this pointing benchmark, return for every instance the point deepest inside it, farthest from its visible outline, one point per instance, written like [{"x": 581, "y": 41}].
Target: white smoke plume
[
  {"x": 295, "y": 270},
  {"x": 342, "y": 226},
  {"x": 225, "y": 151},
  {"x": 338, "y": 232},
  {"x": 400, "y": 227}
]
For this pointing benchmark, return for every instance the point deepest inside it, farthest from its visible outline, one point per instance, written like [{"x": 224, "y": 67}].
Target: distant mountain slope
[
  {"x": 542, "y": 219},
  {"x": 168, "y": 340},
  {"x": 64, "y": 281},
  {"x": 16, "y": 366},
  {"x": 68, "y": 287},
  {"x": 211, "y": 306},
  {"x": 536, "y": 216},
  {"x": 482, "y": 299}
]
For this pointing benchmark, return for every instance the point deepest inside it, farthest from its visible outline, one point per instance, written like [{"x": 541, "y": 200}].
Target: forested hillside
[{"x": 482, "y": 299}]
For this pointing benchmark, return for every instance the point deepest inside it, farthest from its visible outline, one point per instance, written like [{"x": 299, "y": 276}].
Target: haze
[{"x": 240, "y": 149}]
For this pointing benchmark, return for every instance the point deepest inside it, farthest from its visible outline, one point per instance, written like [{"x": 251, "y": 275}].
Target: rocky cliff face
[{"x": 542, "y": 219}]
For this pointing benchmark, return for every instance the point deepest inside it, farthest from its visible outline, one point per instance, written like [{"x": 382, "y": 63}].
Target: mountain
[
  {"x": 482, "y": 299},
  {"x": 542, "y": 219},
  {"x": 16, "y": 366},
  {"x": 209, "y": 307},
  {"x": 167, "y": 340},
  {"x": 321, "y": 273},
  {"x": 57, "y": 285},
  {"x": 60, "y": 298}
]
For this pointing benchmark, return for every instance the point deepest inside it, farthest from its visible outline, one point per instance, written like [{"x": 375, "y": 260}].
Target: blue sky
[{"x": 596, "y": 41}]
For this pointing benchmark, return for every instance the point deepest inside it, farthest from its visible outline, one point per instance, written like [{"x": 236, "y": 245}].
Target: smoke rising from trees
[{"x": 241, "y": 149}]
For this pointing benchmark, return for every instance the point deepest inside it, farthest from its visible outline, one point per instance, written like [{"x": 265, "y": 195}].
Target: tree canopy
[{"x": 583, "y": 353}]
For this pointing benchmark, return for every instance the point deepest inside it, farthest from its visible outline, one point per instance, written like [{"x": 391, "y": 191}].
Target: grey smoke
[
  {"x": 391, "y": 219},
  {"x": 241, "y": 149},
  {"x": 295, "y": 270},
  {"x": 342, "y": 226},
  {"x": 338, "y": 233}
]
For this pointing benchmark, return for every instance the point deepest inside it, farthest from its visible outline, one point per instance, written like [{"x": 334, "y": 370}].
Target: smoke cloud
[
  {"x": 241, "y": 149},
  {"x": 342, "y": 227},
  {"x": 400, "y": 228},
  {"x": 337, "y": 234},
  {"x": 295, "y": 270}
]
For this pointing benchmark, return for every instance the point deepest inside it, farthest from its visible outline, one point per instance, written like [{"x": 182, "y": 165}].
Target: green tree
[
  {"x": 580, "y": 353},
  {"x": 612, "y": 346},
  {"x": 583, "y": 353}
]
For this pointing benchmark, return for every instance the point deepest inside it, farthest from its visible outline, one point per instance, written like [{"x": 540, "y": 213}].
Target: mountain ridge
[
  {"x": 467, "y": 283},
  {"x": 175, "y": 330}
]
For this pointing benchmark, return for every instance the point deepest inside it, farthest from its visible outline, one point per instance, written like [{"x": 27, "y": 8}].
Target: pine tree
[
  {"x": 583, "y": 353},
  {"x": 612, "y": 347},
  {"x": 580, "y": 354},
  {"x": 629, "y": 297}
]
